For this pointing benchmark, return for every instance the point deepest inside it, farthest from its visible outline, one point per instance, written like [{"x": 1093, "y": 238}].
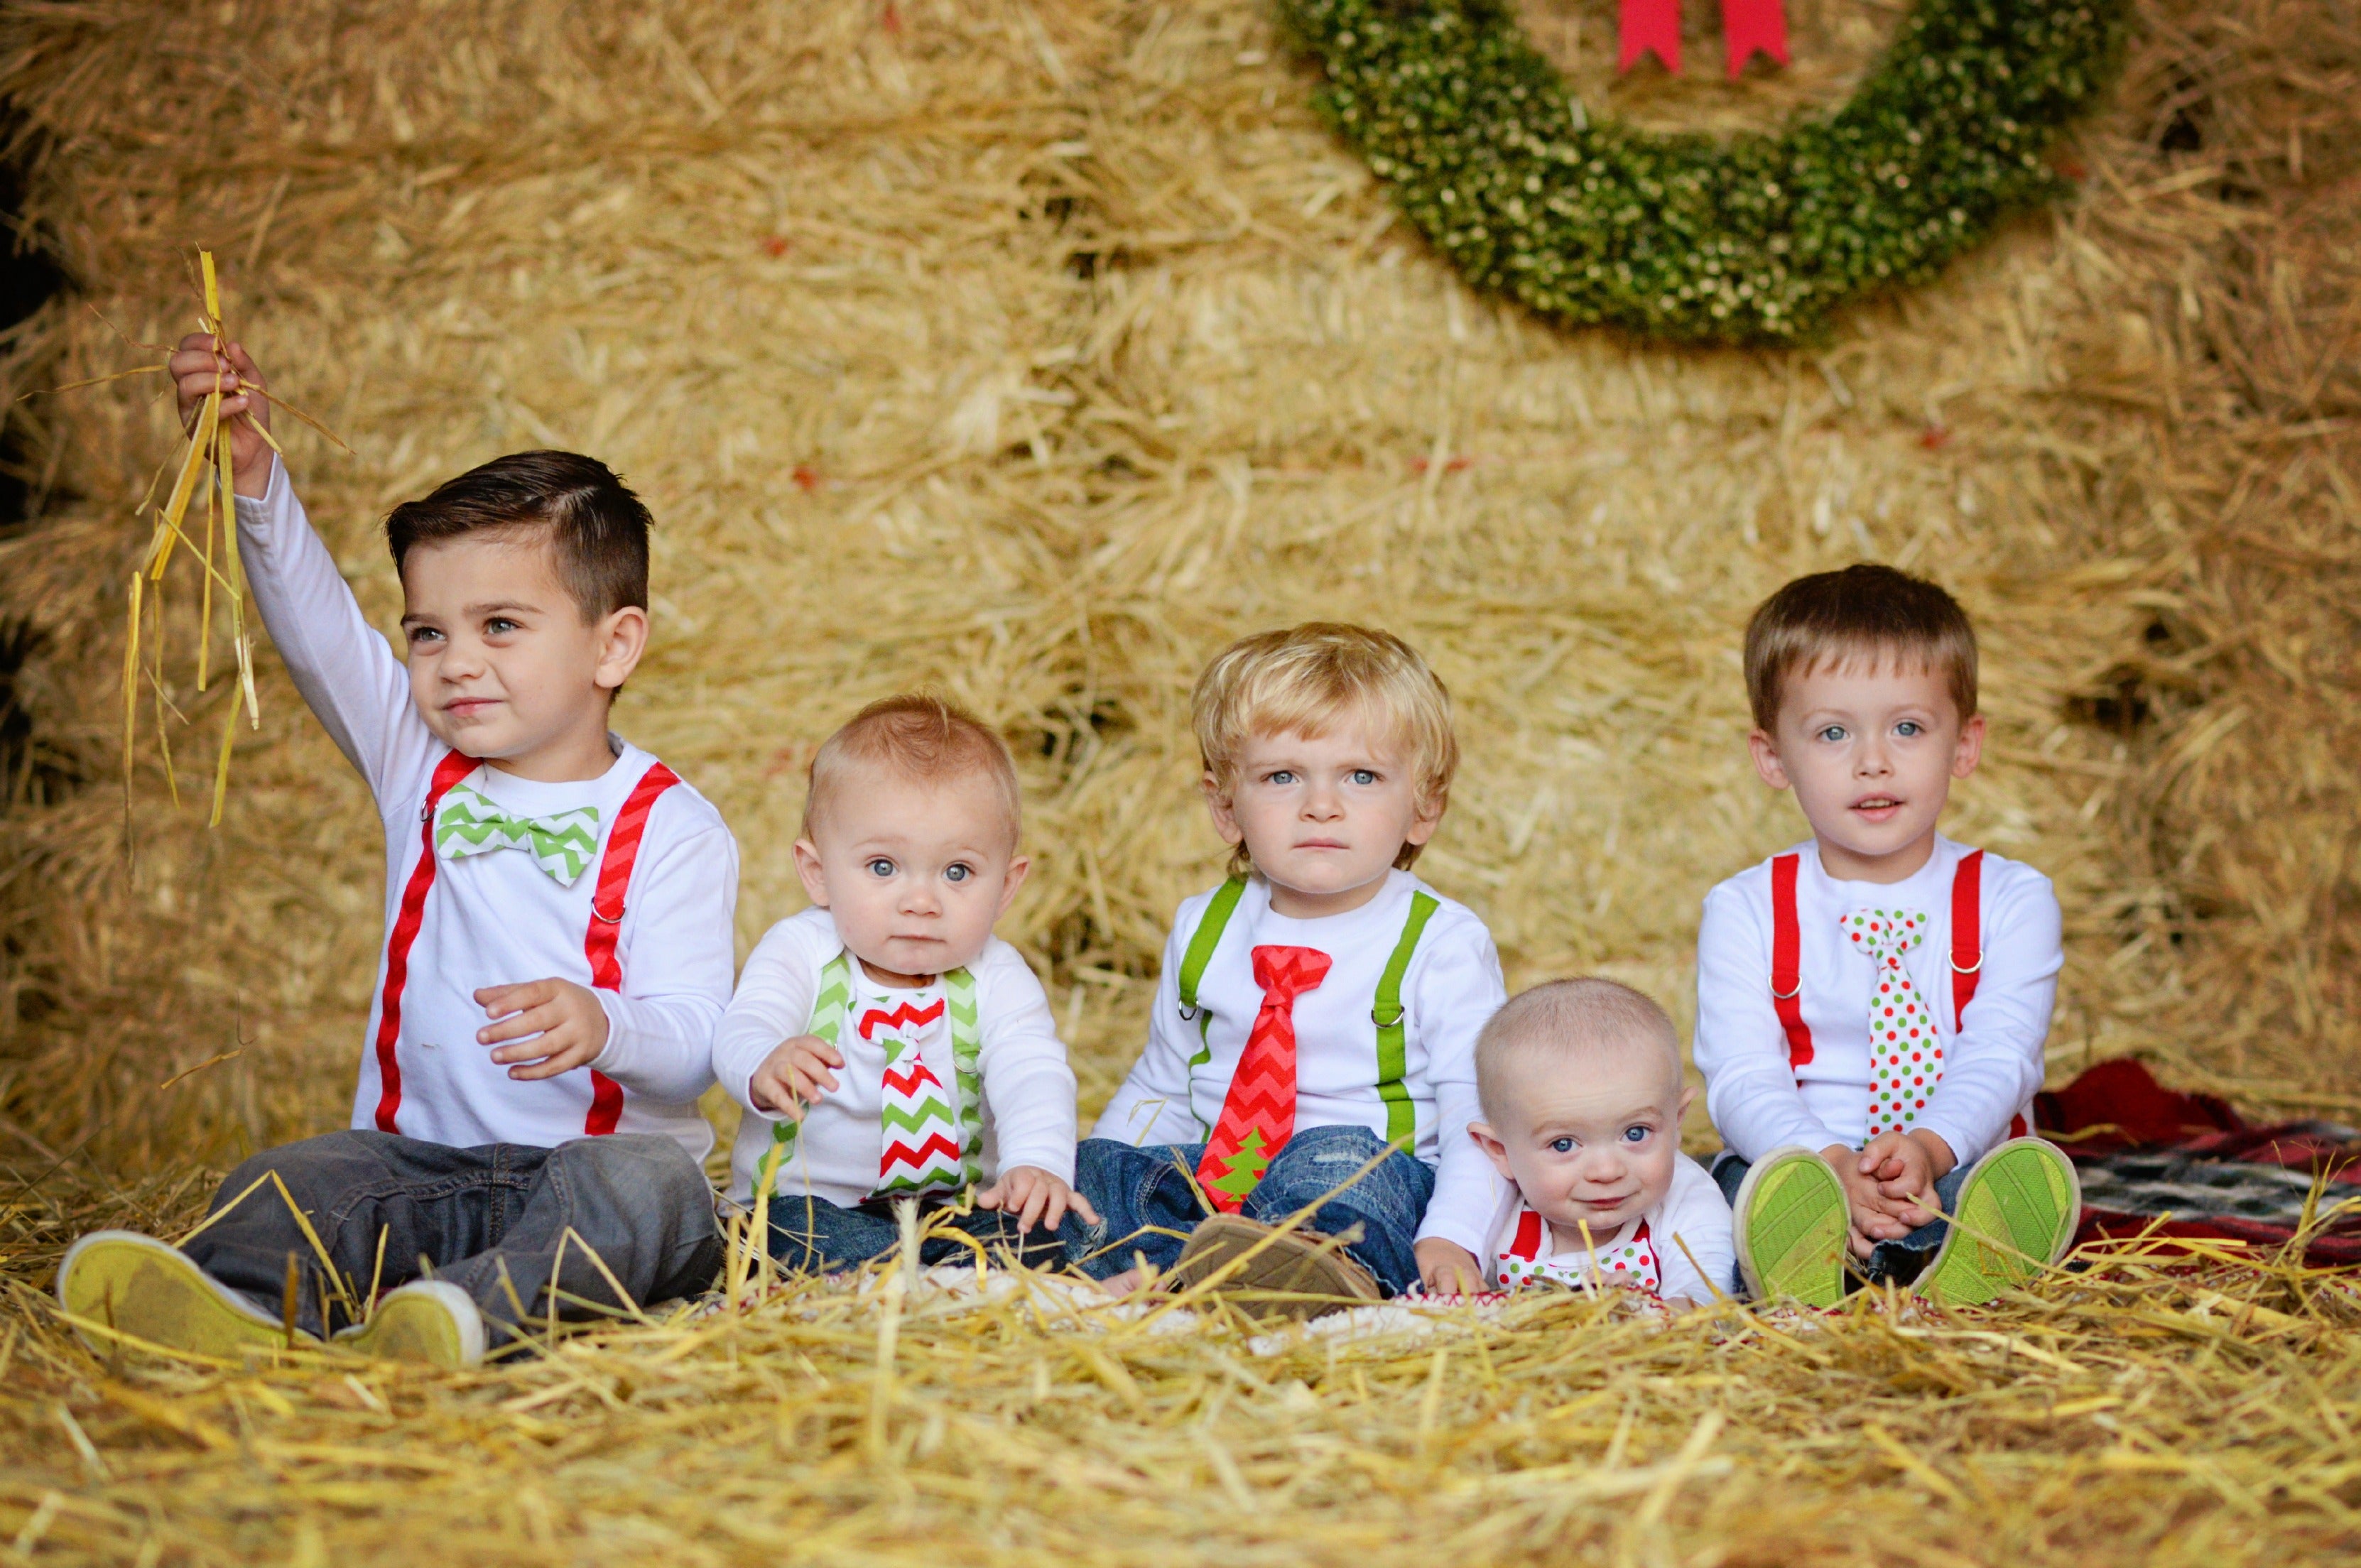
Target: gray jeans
[{"x": 515, "y": 1227}]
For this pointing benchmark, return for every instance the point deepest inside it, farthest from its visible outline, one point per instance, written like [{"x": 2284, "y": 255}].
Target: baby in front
[{"x": 1580, "y": 1083}]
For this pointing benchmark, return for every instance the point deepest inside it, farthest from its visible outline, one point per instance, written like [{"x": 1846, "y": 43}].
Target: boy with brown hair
[
  {"x": 540, "y": 1030},
  {"x": 1312, "y": 1041},
  {"x": 1871, "y": 1003},
  {"x": 884, "y": 1043}
]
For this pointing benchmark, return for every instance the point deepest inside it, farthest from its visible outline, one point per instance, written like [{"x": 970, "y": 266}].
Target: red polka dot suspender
[
  {"x": 1787, "y": 953},
  {"x": 615, "y": 863}
]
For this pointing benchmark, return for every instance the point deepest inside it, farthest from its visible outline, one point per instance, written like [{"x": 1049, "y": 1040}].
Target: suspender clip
[
  {"x": 599, "y": 913},
  {"x": 1388, "y": 1022},
  {"x": 1959, "y": 967},
  {"x": 1789, "y": 995},
  {"x": 1189, "y": 1014}
]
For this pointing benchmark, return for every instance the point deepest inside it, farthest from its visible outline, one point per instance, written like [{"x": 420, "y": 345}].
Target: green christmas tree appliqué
[{"x": 1244, "y": 1168}]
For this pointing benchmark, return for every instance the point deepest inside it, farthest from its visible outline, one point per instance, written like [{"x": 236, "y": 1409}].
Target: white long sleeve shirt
[
  {"x": 1028, "y": 1087},
  {"x": 1693, "y": 1216},
  {"x": 497, "y": 919},
  {"x": 1993, "y": 1065},
  {"x": 1452, "y": 987}
]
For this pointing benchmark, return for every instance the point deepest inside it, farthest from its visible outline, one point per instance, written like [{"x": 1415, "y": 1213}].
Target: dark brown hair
[
  {"x": 1830, "y": 616},
  {"x": 598, "y": 528}
]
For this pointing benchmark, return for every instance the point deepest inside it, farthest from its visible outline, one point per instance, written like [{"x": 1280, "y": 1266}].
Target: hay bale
[{"x": 1035, "y": 349}]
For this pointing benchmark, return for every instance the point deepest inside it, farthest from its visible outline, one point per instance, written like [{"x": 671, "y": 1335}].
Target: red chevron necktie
[{"x": 1259, "y": 1112}]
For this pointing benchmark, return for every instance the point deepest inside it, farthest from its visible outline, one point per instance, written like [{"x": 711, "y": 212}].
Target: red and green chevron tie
[{"x": 1259, "y": 1112}]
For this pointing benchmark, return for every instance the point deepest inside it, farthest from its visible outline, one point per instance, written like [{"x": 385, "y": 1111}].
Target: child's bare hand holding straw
[{"x": 198, "y": 369}]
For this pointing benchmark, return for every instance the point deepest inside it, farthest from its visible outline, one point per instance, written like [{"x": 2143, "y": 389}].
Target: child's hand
[
  {"x": 568, "y": 1024},
  {"x": 1035, "y": 1197},
  {"x": 1875, "y": 1217},
  {"x": 1906, "y": 1167},
  {"x": 792, "y": 1076},
  {"x": 197, "y": 371},
  {"x": 1446, "y": 1268}
]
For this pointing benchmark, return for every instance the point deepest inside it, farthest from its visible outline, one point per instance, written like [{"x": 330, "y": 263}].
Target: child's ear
[
  {"x": 1429, "y": 818},
  {"x": 808, "y": 867},
  {"x": 1226, "y": 816},
  {"x": 1767, "y": 766},
  {"x": 1011, "y": 883},
  {"x": 1494, "y": 1150},
  {"x": 1970, "y": 748},
  {"x": 1688, "y": 1098},
  {"x": 622, "y": 639}
]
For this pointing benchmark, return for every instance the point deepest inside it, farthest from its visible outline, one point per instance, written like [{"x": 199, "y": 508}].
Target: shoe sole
[
  {"x": 1293, "y": 1276},
  {"x": 430, "y": 1322},
  {"x": 2017, "y": 1216},
  {"x": 1790, "y": 1227},
  {"x": 149, "y": 1291}
]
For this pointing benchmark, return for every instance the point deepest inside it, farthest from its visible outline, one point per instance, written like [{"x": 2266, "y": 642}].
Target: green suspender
[
  {"x": 829, "y": 1009},
  {"x": 1393, "y": 1045},
  {"x": 967, "y": 1053},
  {"x": 1393, "y": 1040},
  {"x": 1201, "y": 943}
]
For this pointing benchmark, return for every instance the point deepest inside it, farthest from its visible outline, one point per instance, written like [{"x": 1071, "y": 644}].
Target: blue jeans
[
  {"x": 1147, "y": 1206},
  {"x": 511, "y": 1225},
  {"x": 1899, "y": 1260},
  {"x": 813, "y": 1235}
]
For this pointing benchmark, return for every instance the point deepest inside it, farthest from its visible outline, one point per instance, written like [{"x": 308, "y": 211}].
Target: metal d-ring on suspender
[{"x": 1387, "y": 1013}]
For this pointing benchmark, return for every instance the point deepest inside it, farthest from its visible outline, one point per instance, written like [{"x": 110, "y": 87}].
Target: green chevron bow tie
[{"x": 467, "y": 822}]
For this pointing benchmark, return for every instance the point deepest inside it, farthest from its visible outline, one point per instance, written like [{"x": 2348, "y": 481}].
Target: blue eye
[
  {"x": 1833, "y": 732},
  {"x": 957, "y": 874},
  {"x": 1908, "y": 727},
  {"x": 880, "y": 867},
  {"x": 1635, "y": 1135},
  {"x": 1363, "y": 776},
  {"x": 500, "y": 627},
  {"x": 1279, "y": 776},
  {"x": 1561, "y": 1145}
]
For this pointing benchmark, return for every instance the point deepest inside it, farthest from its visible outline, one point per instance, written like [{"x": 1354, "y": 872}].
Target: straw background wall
[{"x": 1033, "y": 349}]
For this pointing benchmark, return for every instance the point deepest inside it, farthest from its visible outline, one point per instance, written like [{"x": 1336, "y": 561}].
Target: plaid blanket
[{"x": 2147, "y": 1154}]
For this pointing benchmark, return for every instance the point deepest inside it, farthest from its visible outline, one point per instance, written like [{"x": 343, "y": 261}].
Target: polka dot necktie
[{"x": 1906, "y": 1058}]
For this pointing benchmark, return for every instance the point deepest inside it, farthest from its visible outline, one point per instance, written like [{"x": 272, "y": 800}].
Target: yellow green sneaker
[
  {"x": 1790, "y": 1224},
  {"x": 2014, "y": 1216},
  {"x": 152, "y": 1292},
  {"x": 426, "y": 1321}
]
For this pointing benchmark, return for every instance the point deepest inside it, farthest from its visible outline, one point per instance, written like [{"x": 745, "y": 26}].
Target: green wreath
[{"x": 1752, "y": 241}]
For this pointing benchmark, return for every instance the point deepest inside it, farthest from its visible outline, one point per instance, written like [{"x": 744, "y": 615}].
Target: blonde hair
[
  {"x": 1864, "y": 610},
  {"x": 1565, "y": 1017},
  {"x": 1304, "y": 680},
  {"x": 918, "y": 736}
]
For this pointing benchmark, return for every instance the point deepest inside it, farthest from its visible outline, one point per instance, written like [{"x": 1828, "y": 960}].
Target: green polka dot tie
[{"x": 1906, "y": 1058}]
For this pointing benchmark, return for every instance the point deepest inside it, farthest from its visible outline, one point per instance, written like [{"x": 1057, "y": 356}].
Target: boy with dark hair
[
  {"x": 1871, "y": 1003},
  {"x": 525, "y": 1133}
]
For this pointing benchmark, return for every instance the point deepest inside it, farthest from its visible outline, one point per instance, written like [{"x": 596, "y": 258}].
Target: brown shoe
[{"x": 1293, "y": 1274}]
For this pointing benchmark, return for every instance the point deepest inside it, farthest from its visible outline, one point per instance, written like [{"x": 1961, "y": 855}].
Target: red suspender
[
  {"x": 606, "y": 922},
  {"x": 1966, "y": 934},
  {"x": 1787, "y": 961},
  {"x": 1786, "y": 954},
  {"x": 1527, "y": 1244},
  {"x": 1967, "y": 950},
  {"x": 448, "y": 772}
]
